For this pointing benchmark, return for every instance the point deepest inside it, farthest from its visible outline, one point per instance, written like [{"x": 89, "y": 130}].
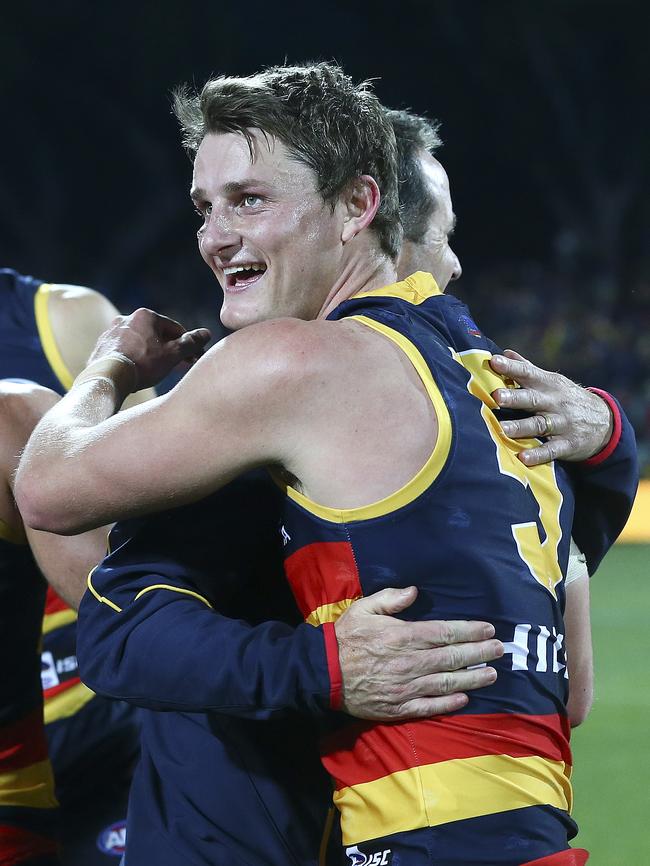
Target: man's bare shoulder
[
  {"x": 295, "y": 349},
  {"x": 80, "y": 306},
  {"x": 78, "y": 315},
  {"x": 21, "y": 407}
]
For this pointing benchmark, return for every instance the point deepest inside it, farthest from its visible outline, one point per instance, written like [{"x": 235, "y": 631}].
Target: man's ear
[{"x": 361, "y": 201}]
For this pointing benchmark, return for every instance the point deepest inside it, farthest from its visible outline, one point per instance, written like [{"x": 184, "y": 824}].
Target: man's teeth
[{"x": 239, "y": 268}]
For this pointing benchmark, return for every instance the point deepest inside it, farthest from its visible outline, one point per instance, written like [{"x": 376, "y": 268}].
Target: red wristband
[
  {"x": 333, "y": 666},
  {"x": 616, "y": 433}
]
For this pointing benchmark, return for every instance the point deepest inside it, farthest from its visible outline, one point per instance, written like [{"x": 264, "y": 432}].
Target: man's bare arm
[
  {"x": 228, "y": 414},
  {"x": 65, "y": 562},
  {"x": 579, "y": 649}
]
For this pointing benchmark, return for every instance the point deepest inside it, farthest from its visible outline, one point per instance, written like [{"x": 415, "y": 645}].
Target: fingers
[
  {"x": 437, "y": 685},
  {"x": 447, "y": 659},
  {"x": 407, "y": 638},
  {"x": 533, "y": 426},
  {"x": 192, "y": 343},
  {"x": 386, "y": 601},
  {"x": 556, "y": 448},
  {"x": 424, "y": 708},
  {"x": 512, "y": 365},
  {"x": 518, "y": 398},
  {"x": 439, "y": 693},
  {"x": 438, "y": 633}
]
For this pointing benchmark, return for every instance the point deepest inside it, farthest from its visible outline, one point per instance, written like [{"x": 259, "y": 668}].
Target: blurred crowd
[{"x": 574, "y": 325}]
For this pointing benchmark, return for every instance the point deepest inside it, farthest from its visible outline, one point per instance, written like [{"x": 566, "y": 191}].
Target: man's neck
[{"x": 359, "y": 275}]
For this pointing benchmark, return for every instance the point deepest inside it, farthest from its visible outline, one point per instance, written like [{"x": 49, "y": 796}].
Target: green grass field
[{"x": 612, "y": 748}]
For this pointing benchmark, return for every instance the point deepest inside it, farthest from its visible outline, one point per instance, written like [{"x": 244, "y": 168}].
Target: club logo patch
[
  {"x": 112, "y": 840},
  {"x": 470, "y": 326}
]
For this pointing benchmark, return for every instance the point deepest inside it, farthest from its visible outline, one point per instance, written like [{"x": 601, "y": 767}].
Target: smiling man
[{"x": 371, "y": 400}]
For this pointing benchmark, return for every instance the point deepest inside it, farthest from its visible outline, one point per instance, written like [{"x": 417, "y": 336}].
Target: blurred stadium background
[{"x": 546, "y": 126}]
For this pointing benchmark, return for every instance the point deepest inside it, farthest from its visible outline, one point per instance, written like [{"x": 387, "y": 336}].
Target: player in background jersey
[
  {"x": 352, "y": 214},
  {"x": 46, "y": 334}
]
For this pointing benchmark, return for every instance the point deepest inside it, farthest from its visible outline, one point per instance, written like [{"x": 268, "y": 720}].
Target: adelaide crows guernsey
[
  {"x": 28, "y": 348},
  {"x": 38, "y": 635},
  {"x": 27, "y": 800},
  {"x": 29, "y": 351},
  {"x": 483, "y": 537}
]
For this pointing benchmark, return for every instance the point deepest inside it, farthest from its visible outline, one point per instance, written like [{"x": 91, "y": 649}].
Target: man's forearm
[{"x": 50, "y": 471}]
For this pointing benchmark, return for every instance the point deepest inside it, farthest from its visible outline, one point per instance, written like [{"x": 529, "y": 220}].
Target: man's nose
[
  {"x": 217, "y": 235},
  {"x": 457, "y": 269}
]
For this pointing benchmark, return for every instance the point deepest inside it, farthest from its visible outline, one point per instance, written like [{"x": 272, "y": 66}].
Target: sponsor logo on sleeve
[
  {"x": 378, "y": 858},
  {"x": 49, "y": 676}
]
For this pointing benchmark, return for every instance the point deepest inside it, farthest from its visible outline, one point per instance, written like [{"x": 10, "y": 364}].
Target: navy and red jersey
[
  {"x": 28, "y": 805},
  {"x": 86, "y": 738},
  {"x": 483, "y": 537},
  {"x": 156, "y": 629}
]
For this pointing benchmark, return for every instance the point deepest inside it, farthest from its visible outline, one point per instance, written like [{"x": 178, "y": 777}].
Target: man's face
[
  {"x": 433, "y": 253},
  {"x": 267, "y": 235}
]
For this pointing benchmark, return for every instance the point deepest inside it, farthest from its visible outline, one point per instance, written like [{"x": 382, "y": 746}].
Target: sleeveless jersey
[
  {"x": 28, "y": 349},
  {"x": 483, "y": 537},
  {"x": 38, "y": 632},
  {"x": 27, "y": 800}
]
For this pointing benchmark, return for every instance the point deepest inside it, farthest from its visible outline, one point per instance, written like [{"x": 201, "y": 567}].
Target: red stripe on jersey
[
  {"x": 18, "y": 845},
  {"x": 23, "y": 743},
  {"x": 62, "y": 687},
  {"x": 322, "y": 573},
  {"x": 333, "y": 665},
  {"x": 570, "y": 857},
  {"x": 53, "y": 603},
  {"x": 363, "y": 752}
]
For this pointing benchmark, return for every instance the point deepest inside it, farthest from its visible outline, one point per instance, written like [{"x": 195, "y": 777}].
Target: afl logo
[{"x": 112, "y": 840}]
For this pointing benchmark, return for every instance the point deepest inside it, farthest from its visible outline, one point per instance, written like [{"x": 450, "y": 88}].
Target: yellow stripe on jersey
[
  {"x": 329, "y": 612},
  {"x": 450, "y": 791},
  {"x": 101, "y": 598},
  {"x": 415, "y": 289},
  {"x": 47, "y": 338},
  {"x": 58, "y": 619},
  {"x": 11, "y": 534},
  {"x": 66, "y": 703},
  {"x": 31, "y": 786},
  {"x": 173, "y": 589},
  {"x": 427, "y": 474}
]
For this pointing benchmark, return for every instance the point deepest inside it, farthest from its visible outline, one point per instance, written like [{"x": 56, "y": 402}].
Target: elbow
[
  {"x": 578, "y": 710},
  {"x": 43, "y": 507}
]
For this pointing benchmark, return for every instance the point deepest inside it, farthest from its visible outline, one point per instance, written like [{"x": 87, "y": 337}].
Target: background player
[{"x": 46, "y": 334}]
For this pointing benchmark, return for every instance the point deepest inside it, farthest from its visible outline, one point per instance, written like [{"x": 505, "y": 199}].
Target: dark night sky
[{"x": 543, "y": 105}]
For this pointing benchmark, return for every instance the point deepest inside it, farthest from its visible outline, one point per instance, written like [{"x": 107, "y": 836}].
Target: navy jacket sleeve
[
  {"x": 154, "y": 642},
  {"x": 185, "y": 614},
  {"x": 605, "y": 487}
]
